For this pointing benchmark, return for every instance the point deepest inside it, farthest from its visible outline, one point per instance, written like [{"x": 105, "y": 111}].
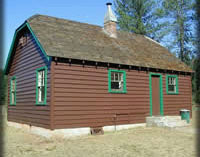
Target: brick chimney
[{"x": 110, "y": 22}]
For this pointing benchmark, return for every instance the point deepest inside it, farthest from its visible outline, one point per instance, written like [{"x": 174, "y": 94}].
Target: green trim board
[
  {"x": 167, "y": 91},
  {"x": 11, "y": 80},
  {"x": 26, "y": 24},
  {"x": 124, "y": 81},
  {"x": 161, "y": 93},
  {"x": 45, "y": 86},
  {"x": 37, "y": 41}
]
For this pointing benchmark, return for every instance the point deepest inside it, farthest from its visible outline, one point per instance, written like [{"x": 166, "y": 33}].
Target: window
[
  {"x": 13, "y": 91},
  {"x": 117, "y": 81},
  {"x": 41, "y": 86},
  {"x": 172, "y": 84}
]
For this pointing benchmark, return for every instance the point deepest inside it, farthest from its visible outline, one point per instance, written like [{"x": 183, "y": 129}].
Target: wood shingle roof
[{"x": 70, "y": 39}]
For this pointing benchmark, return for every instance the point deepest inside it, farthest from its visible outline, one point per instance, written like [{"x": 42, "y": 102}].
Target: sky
[{"x": 17, "y": 11}]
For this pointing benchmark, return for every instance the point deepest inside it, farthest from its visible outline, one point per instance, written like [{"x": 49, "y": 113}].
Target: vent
[
  {"x": 97, "y": 131},
  {"x": 23, "y": 40}
]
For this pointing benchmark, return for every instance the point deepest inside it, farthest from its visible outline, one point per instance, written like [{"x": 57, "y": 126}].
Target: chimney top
[
  {"x": 108, "y": 3},
  {"x": 110, "y": 22},
  {"x": 109, "y": 15}
]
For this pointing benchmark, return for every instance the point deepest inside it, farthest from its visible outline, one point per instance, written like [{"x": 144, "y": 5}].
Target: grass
[{"x": 137, "y": 142}]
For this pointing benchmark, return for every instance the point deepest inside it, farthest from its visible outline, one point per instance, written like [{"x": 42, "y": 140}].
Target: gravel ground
[{"x": 137, "y": 142}]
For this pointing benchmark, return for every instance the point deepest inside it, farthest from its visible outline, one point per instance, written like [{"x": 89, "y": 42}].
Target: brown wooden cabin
[{"x": 66, "y": 74}]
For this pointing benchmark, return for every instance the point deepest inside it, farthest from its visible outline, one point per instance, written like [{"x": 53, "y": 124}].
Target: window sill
[
  {"x": 40, "y": 104},
  {"x": 12, "y": 104},
  {"x": 172, "y": 93},
  {"x": 118, "y": 92}
]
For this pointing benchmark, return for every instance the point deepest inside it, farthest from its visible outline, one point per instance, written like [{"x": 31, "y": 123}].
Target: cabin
[{"x": 70, "y": 75}]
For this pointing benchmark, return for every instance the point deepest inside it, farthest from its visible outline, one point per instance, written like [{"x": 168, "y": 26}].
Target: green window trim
[
  {"x": 161, "y": 93},
  {"x": 45, "y": 86},
  {"x": 124, "y": 81},
  {"x": 11, "y": 80},
  {"x": 177, "y": 90}
]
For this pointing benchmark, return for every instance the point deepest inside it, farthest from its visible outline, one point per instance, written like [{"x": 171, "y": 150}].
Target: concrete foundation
[
  {"x": 166, "y": 121},
  {"x": 67, "y": 133},
  {"x": 122, "y": 127}
]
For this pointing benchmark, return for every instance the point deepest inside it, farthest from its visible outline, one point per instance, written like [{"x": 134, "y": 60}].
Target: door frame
[{"x": 161, "y": 92}]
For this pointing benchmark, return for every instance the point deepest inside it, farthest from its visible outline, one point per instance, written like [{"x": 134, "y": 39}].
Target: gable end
[{"x": 13, "y": 45}]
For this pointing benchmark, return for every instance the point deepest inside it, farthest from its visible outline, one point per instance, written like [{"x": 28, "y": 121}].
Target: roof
[{"x": 70, "y": 39}]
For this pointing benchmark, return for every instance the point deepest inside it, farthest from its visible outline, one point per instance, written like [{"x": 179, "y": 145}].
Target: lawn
[{"x": 136, "y": 142}]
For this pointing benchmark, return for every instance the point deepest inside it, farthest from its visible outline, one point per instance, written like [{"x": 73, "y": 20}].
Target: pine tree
[
  {"x": 2, "y": 88},
  {"x": 141, "y": 17},
  {"x": 197, "y": 62},
  {"x": 179, "y": 13}
]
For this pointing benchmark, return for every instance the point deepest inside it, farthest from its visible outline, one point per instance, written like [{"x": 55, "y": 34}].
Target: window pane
[
  {"x": 171, "y": 88},
  {"x": 42, "y": 78},
  {"x": 121, "y": 85},
  {"x": 39, "y": 94},
  {"x": 39, "y": 78},
  {"x": 13, "y": 98},
  {"x": 174, "y": 81},
  {"x": 114, "y": 85},
  {"x": 112, "y": 76},
  {"x": 116, "y": 76},
  {"x": 120, "y": 77},
  {"x": 42, "y": 94},
  {"x": 169, "y": 81},
  {"x": 13, "y": 85}
]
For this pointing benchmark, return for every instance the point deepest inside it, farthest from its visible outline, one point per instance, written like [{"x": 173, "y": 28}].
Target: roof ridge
[
  {"x": 78, "y": 22},
  {"x": 58, "y": 18}
]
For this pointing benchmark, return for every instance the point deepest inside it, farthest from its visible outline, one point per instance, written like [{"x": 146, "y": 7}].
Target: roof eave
[{"x": 172, "y": 70}]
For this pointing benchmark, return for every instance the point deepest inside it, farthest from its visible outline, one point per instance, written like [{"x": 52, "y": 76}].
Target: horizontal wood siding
[
  {"x": 82, "y": 98},
  {"x": 24, "y": 64},
  {"x": 183, "y": 100}
]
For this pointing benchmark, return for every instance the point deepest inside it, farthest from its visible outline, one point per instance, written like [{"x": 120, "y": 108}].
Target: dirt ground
[{"x": 137, "y": 142}]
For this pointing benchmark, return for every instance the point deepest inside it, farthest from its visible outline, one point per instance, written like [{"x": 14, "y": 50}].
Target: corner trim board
[{"x": 52, "y": 72}]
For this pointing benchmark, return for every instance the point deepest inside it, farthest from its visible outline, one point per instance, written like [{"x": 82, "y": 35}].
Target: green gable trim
[
  {"x": 13, "y": 78},
  {"x": 37, "y": 41},
  {"x": 177, "y": 90},
  {"x": 161, "y": 93},
  {"x": 45, "y": 86},
  {"x": 14, "y": 40},
  {"x": 12, "y": 46},
  {"x": 124, "y": 81}
]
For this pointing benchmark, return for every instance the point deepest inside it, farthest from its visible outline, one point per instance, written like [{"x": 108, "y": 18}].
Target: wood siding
[
  {"x": 24, "y": 64},
  {"x": 173, "y": 103},
  {"x": 81, "y": 97}
]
